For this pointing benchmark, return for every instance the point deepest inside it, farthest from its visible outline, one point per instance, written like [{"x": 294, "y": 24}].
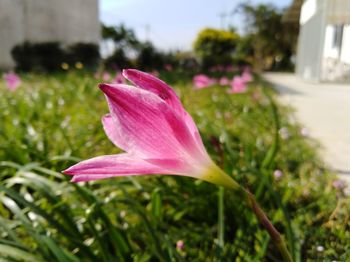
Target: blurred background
[
  {"x": 127, "y": 32},
  {"x": 266, "y": 33},
  {"x": 267, "y": 83}
]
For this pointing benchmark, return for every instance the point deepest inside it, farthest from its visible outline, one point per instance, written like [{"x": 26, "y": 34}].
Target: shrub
[
  {"x": 86, "y": 53},
  {"x": 118, "y": 59},
  {"x": 48, "y": 56},
  {"x": 215, "y": 46},
  {"x": 23, "y": 55},
  {"x": 148, "y": 57},
  {"x": 39, "y": 56}
]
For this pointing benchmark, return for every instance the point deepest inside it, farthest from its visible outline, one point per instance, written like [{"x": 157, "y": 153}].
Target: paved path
[{"x": 324, "y": 109}]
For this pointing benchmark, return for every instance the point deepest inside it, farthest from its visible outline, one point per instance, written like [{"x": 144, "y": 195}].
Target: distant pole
[
  {"x": 147, "y": 32},
  {"x": 222, "y": 16}
]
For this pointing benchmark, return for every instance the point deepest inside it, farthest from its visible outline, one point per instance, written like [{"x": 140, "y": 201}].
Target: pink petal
[
  {"x": 114, "y": 132},
  {"x": 157, "y": 86},
  {"x": 194, "y": 131},
  {"x": 112, "y": 166},
  {"x": 153, "y": 84},
  {"x": 150, "y": 127}
]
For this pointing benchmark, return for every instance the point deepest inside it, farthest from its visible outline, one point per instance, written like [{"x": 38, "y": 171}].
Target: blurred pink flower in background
[
  {"x": 231, "y": 68},
  {"x": 106, "y": 76},
  {"x": 224, "y": 81},
  {"x": 158, "y": 136},
  {"x": 217, "y": 68},
  {"x": 304, "y": 132},
  {"x": 284, "y": 133},
  {"x": 202, "y": 81},
  {"x": 12, "y": 80},
  {"x": 278, "y": 174},
  {"x": 338, "y": 184},
  {"x": 238, "y": 85},
  {"x": 119, "y": 79},
  {"x": 155, "y": 73},
  {"x": 168, "y": 67},
  {"x": 180, "y": 244},
  {"x": 97, "y": 75},
  {"x": 247, "y": 76}
]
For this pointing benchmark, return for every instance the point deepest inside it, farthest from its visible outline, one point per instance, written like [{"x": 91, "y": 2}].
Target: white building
[
  {"x": 65, "y": 21},
  {"x": 324, "y": 40}
]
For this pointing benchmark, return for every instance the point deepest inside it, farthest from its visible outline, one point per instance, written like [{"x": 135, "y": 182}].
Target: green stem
[
  {"x": 221, "y": 225},
  {"x": 273, "y": 232},
  {"x": 217, "y": 176}
]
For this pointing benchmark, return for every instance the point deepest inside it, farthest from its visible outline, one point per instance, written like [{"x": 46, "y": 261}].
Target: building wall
[
  {"x": 66, "y": 21},
  {"x": 336, "y": 55},
  {"x": 330, "y": 50},
  {"x": 345, "y": 51},
  {"x": 311, "y": 40},
  {"x": 11, "y": 29}
]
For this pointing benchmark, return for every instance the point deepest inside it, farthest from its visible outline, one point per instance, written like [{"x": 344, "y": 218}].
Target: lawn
[{"x": 52, "y": 121}]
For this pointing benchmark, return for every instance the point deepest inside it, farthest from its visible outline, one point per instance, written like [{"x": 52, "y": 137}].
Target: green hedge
[{"x": 49, "y": 56}]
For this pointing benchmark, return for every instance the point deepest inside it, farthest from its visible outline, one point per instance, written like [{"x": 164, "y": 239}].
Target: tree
[
  {"x": 121, "y": 35},
  {"x": 273, "y": 42},
  {"x": 215, "y": 46},
  {"x": 124, "y": 41}
]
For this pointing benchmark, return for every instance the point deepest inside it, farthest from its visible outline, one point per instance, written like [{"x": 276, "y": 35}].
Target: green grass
[{"x": 53, "y": 121}]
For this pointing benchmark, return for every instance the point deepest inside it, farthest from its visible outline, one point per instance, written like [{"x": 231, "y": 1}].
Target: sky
[{"x": 174, "y": 24}]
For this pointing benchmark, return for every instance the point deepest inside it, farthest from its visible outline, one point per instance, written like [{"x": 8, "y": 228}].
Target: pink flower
[
  {"x": 278, "y": 174},
  {"x": 238, "y": 85},
  {"x": 224, "y": 81},
  {"x": 304, "y": 132},
  {"x": 118, "y": 79},
  {"x": 106, "y": 76},
  {"x": 155, "y": 73},
  {"x": 338, "y": 184},
  {"x": 231, "y": 68},
  {"x": 97, "y": 75},
  {"x": 247, "y": 76},
  {"x": 168, "y": 67},
  {"x": 180, "y": 245},
  {"x": 12, "y": 81},
  {"x": 202, "y": 81},
  {"x": 158, "y": 136}
]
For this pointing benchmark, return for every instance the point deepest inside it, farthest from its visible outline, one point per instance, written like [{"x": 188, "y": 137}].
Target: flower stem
[
  {"x": 221, "y": 225},
  {"x": 266, "y": 223},
  {"x": 217, "y": 176}
]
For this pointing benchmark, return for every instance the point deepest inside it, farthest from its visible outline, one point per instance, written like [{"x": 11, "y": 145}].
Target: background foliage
[
  {"x": 269, "y": 42},
  {"x": 215, "y": 46},
  {"x": 49, "y": 56}
]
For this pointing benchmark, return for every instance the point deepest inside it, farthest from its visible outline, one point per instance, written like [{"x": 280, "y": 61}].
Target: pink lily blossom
[
  {"x": 278, "y": 174},
  {"x": 180, "y": 244},
  {"x": 168, "y": 67},
  {"x": 155, "y": 73},
  {"x": 12, "y": 81},
  {"x": 106, "y": 76},
  {"x": 202, "y": 81},
  {"x": 97, "y": 75},
  {"x": 224, "y": 81},
  {"x": 119, "y": 79},
  {"x": 238, "y": 85},
  {"x": 247, "y": 76},
  {"x": 149, "y": 123}
]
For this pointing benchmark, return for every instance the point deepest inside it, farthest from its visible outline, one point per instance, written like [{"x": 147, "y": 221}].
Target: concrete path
[{"x": 324, "y": 109}]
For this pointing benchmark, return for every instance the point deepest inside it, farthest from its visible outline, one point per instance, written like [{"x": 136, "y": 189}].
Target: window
[{"x": 337, "y": 37}]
